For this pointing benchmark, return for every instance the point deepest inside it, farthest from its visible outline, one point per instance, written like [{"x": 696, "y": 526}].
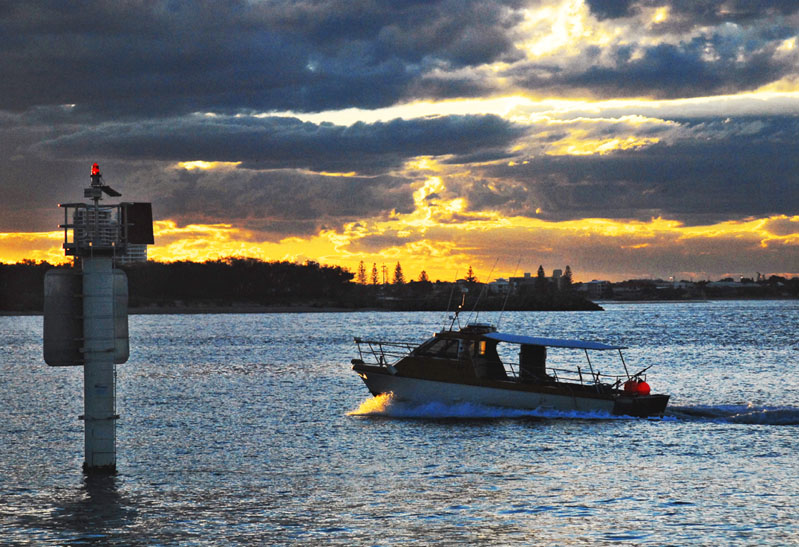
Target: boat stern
[{"x": 641, "y": 406}]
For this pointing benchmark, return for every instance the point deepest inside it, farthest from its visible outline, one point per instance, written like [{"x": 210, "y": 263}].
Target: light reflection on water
[{"x": 236, "y": 429}]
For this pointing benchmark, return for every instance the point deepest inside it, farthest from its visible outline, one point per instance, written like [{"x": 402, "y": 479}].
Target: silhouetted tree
[
  {"x": 423, "y": 277},
  {"x": 470, "y": 277},
  {"x": 541, "y": 279},
  {"x": 361, "y": 273},
  {"x": 375, "y": 276},
  {"x": 236, "y": 280},
  {"x": 22, "y": 285},
  {"x": 230, "y": 282},
  {"x": 399, "y": 278},
  {"x": 567, "y": 277}
]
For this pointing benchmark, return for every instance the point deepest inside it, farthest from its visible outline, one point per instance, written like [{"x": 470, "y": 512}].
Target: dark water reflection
[
  {"x": 95, "y": 513},
  {"x": 236, "y": 430}
]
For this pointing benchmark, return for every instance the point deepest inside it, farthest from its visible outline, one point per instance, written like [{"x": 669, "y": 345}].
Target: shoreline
[
  {"x": 203, "y": 310},
  {"x": 250, "y": 309},
  {"x": 207, "y": 310}
]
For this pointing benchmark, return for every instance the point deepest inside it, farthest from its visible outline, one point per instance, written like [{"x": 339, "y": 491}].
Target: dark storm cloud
[
  {"x": 721, "y": 170},
  {"x": 138, "y": 58},
  {"x": 708, "y": 47},
  {"x": 280, "y": 203},
  {"x": 455, "y": 31},
  {"x": 287, "y": 142},
  {"x": 138, "y": 73},
  {"x": 714, "y": 63},
  {"x": 269, "y": 192},
  {"x": 697, "y": 12},
  {"x": 611, "y": 9},
  {"x": 669, "y": 71}
]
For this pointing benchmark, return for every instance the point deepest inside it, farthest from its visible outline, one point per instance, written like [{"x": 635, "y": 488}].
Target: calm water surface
[{"x": 237, "y": 429}]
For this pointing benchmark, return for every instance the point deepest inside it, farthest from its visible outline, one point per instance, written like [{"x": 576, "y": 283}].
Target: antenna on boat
[
  {"x": 507, "y": 293},
  {"x": 482, "y": 292},
  {"x": 640, "y": 372},
  {"x": 449, "y": 303}
]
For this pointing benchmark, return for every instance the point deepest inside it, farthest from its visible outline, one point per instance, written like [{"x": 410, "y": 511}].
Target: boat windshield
[{"x": 439, "y": 347}]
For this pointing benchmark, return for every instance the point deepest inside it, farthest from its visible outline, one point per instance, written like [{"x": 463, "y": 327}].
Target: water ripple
[{"x": 235, "y": 430}]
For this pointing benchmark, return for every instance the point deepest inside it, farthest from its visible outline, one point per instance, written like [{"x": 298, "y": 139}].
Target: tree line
[
  {"x": 223, "y": 282},
  {"x": 252, "y": 282}
]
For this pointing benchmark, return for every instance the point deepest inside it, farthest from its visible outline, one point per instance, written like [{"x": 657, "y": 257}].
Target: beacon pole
[
  {"x": 99, "y": 385},
  {"x": 85, "y": 309}
]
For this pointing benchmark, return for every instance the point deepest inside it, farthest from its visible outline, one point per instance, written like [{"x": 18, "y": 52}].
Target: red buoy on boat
[{"x": 636, "y": 387}]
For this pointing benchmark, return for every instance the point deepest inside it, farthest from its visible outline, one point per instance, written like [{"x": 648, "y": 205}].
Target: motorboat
[{"x": 474, "y": 364}]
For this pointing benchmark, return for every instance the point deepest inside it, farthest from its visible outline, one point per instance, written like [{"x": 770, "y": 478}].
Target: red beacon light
[{"x": 95, "y": 170}]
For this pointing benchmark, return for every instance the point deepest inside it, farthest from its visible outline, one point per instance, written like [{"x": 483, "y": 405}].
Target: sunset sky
[{"x": 625, "y": 138}]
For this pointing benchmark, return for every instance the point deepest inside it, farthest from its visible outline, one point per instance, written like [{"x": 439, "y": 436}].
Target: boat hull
[{"x": 512, "y": 396}]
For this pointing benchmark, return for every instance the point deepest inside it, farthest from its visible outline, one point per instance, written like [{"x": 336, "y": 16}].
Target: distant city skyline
[{"x": 627, "y": 139}]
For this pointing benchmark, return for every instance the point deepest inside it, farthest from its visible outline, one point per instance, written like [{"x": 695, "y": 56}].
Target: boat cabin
[
  {"x": 471, "y": 355},
  {"x": 466, "y": 365}
]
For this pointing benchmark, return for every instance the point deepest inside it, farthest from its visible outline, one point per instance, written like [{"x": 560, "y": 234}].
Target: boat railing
[
  {"x": 578, "y": 375},
  {"x": 382, "y": 353}
]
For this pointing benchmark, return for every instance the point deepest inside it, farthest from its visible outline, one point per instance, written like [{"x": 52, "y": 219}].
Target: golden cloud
[
  {"x": 38, "y": 246},
  {"x": 443, "y": 237},
  {"x": 207, "y": 165}
]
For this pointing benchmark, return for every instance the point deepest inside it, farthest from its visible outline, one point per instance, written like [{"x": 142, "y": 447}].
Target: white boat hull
[{"x": 419, "y": 390}]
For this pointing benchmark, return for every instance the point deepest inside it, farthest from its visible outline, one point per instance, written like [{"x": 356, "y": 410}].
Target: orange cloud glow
[
  {"x": 444, "y": 238},
  {"x": 38, "y": 246}
]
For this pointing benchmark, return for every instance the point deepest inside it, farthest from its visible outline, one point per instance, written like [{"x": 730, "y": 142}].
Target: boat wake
[
  {"x": 386, "y": 406},
  {"x": 736, "y": 414}
]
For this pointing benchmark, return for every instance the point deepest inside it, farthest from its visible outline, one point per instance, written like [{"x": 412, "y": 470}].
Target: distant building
[
  {"x": 557, "y": 278},
  {"x": 529, "y": 279},
  {"x": 597, "y": 289},
  {"x": 516, "y": 281},
  {"x": 100, "y": 227},
  {"x": 95, "y": 227},
  {"x": 135, "y": 252},
  {"x": 499, "y": 286},
  {"x": 733, "y": 285}
]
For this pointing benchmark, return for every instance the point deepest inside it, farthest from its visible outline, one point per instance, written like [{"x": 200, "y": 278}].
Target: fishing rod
[
  {"x": 449, "y": 303},
  {"x": 483, "y": 290},
  {"x": 507, "y": 293}
]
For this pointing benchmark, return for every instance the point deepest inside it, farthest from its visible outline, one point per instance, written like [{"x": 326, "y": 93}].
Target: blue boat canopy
[{"x": 550, "y": 342}]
